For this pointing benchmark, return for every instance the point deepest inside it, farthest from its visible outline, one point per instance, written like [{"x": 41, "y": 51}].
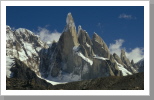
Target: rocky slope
[{"x": 74, "y": 57}]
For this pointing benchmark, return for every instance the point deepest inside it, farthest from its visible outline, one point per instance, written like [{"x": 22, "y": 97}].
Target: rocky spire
[
  {"x": 85, "y": 41},
  {"x": 124, "y": 59},
  {"x": 67, "y": 41},
  {"x": 69, "y": 36},
  {"x": 98, "y": 39},
  {"x": 99, "y": 46},
  {"x": 69, "y": 20},
  {"x": 83, "y": 36},
  {"x": 117, "y": 58}
]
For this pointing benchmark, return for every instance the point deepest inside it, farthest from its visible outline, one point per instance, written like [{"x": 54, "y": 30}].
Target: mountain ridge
[{"x": 74, "y": 57}]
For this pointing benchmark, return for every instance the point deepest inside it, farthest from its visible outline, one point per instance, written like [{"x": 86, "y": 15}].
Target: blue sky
[{"x": 125, "y": 24}]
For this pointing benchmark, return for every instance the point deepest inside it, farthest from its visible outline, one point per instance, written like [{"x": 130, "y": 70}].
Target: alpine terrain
[{"x": 75, "y": 57}]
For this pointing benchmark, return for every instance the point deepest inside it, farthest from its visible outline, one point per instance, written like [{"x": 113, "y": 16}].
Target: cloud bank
[
  {"x": 136, "y": 54},
  {"x": 48, "y": 36}
]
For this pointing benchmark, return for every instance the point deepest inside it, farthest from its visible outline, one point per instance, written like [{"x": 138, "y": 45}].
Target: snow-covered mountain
[
  {"x": 25, "y": 46},
  {"x": 74, "y": 57}
]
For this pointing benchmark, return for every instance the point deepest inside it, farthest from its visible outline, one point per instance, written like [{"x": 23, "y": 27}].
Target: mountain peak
[{"x": 69, "y": 19}]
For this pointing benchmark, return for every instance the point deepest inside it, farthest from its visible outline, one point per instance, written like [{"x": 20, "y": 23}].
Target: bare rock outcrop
[{"x": 99, "y": 46}]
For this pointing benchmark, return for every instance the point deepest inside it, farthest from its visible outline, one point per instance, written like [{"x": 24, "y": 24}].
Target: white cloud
[
  {"x": 125, "y": 16},
  {"x": 136, "y": 54},
  {"x": 116, "y": 48},
  {"x": 48, "y": 36}
]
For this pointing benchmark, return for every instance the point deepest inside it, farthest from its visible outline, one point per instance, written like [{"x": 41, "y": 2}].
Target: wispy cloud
[
  {"x": 136, "y": 54},
  {"x": 126, "y": 16},
  {"x": 48, "y": 36},
  {"x": 100, "y": 25}
]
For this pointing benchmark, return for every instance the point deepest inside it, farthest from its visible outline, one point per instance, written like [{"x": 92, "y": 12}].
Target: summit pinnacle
[{"x": 69, "y": 20}]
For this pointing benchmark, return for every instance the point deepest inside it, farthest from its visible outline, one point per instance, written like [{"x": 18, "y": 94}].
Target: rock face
[
  {"x": 117, "y": 58},
  {"x": 85, "y": 41},
  {"x": 99, "y": 46},
  {"x": 127, "y": 63},
  {"x": 124, "y": 59},
  {"x": 74, "y": 57},
  {"x": 67, "y": 41}
]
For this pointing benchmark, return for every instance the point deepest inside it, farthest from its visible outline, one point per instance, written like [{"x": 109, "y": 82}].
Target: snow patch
[
  {"x": 62, "y": 78},
  {"x": 52, "y": 82},
  {"x": 31, "y": 32},
  {"x": 38, "y": 49},
  {"x": 133, "y": 69},
  {"x": 21, "y": 30},
  {"x": 29, "y": 49},
  {"x": 88, "y": 45},
  {"x": 9, "y": 63},
  {"x": 22, "y": 55},
  {"x": 75, "y": 48},
  {"x": 97, "y": 41},
  {"x": 125, "y": 72},
  {"x": 10, "y": 36},
  {"x": 85, "y": 58},
  {"x": 102, "y": 58}
]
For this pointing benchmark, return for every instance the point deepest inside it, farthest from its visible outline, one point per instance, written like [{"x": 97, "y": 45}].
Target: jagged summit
[
  {"x": 99, "y": 43},
  {"x": 69, "y": 20}
]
